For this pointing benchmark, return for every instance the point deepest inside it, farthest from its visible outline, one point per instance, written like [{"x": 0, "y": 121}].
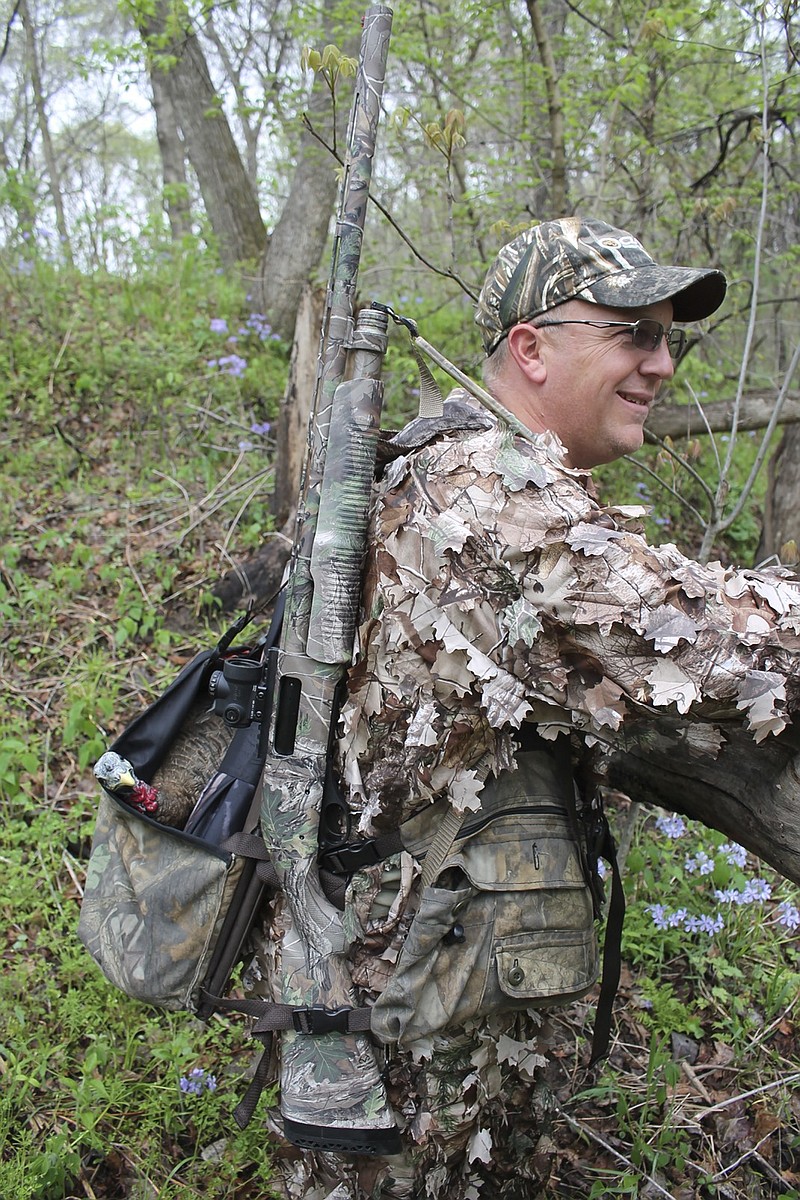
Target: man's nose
[{"x": 658, "y": 362}]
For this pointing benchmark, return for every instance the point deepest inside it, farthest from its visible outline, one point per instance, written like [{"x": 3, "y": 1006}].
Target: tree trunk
[
  {"x": 559, "y": 199},
  {"x": 228, "y": 196},
  {"x": 54, "y": 175},
  {"x": 292, "y": 433},
  {"x": 173, "y": 162},
  {"x": 782, "y": 501},
  {"x": 749, "y": 792},
  {"x": 298, "y": 239}
]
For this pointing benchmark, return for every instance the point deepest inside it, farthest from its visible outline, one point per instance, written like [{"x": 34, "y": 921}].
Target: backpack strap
[
  {"x": 272, "y": 1018},
  {"x": 603, "y": 845}
]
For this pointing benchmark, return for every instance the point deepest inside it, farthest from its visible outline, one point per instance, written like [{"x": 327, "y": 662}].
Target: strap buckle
[
  {"x": 351, "y": 856},
  {"x": 316, "y": 1019}
]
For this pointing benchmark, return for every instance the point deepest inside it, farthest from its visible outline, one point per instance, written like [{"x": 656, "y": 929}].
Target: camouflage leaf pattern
[{"x": 153, "y": 907}]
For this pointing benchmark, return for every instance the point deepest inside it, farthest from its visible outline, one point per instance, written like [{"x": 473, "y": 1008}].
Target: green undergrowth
[
  {"x": 699, "y": 1096},
  {"x": 135, "y": 470}
]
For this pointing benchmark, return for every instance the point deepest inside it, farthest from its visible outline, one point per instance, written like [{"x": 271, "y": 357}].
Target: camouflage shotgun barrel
[{"x": 332, "y": 1095}]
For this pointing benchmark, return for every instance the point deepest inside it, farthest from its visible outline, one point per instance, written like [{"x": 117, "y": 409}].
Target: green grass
[{"x": 114, "y": 433}]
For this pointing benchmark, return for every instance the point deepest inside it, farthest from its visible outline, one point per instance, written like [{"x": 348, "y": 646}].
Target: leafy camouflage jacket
[{"x": 499, "y": 590}]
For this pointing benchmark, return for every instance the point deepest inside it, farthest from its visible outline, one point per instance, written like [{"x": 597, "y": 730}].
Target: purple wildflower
[
  {"x": 671, "y": 827},
  {"x": 751, "y": 893},
  {"x": 701, "y": 862},
  {"x": 232, "y": 364},
  {"x": 735, "y": 854},
  {"x": 682, "y": 919},
  {"x": 711, "y": 925},
  {"x": 218, "y": 325},
  {"x": 789, "y": 915},
  {"x": 197, "y": 1079},
  {"x": 262, "y": 428},
  {"x": 659, "y": 914},
  {"x": 757, "y": 889}
]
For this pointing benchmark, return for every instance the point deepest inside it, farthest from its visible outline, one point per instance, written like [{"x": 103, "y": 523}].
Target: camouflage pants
[{"x": 476, "y": 1118}]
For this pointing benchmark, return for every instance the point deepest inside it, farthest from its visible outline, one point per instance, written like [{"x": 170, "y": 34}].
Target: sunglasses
[{"x": 645, "y": 335}]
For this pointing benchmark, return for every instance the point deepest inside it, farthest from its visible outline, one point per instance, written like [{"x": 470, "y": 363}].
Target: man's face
[{"x": 598, "y": 387}]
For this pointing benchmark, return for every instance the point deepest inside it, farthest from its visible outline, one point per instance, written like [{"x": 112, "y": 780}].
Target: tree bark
[
  {"x": 173, "y": 162},
  {"x": 559, "y": 198},
  {"x": 228, "y": 196},
  {"x": 749, "y": 792},
  {"x": 292, "y": 432},
  {"x": 782, "y": 501},
  {"x": 686, "y": 420},
  {"x": 299, "y": 236}
]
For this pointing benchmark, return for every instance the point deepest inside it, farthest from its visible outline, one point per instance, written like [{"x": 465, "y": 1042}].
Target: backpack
[{"x": 177, "y": 871}]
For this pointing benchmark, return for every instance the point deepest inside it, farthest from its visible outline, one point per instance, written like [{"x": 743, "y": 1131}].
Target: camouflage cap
[{"x": 579, "y": 258}]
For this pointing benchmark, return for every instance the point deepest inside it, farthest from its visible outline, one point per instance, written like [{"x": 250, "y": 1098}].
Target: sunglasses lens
[
  {"x": 676, "y": 339},
  {"x": 647, "y": 335}
]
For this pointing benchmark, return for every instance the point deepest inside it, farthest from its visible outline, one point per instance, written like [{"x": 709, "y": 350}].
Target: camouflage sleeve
[{"x": 500, "y": 590}]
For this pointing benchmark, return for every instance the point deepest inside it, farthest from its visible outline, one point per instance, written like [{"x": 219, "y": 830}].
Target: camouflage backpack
[
  {"x": 177, "y": 871},
  {"x": 508, "y": 897}
]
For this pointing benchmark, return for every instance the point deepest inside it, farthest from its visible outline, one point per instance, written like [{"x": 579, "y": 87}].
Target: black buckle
[
  {"x": 344, "y": 860},
  {"x": 316, "y": 1018}
]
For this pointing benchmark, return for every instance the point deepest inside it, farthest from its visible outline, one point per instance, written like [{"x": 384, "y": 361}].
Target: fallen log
[
  {"x": 687, "y": 420},
  {"x": 748, "y": 791}
]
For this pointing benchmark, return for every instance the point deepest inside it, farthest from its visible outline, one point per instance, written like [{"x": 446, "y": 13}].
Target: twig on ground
[
  {"x": 68, "y": 860},
  {"x": 240, "y": 513},
  {"x": 691, "y": 1075},
  {"x": 137, "y": 577},
  {"x": 767, "y": 1087},
  {"x": 580, "y": 1128},
  {"x": 57, "y": 361},
  {"x": 223, "y": 419},
  {"x": 769, "y": 1029},
  {"x": 753, "y": 1154}
]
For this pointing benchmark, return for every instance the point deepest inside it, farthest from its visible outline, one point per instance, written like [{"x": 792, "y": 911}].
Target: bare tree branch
[{"x": 685, "y": 420}]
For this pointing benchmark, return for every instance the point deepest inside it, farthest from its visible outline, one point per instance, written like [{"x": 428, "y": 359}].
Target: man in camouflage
[{"x": 501, "y": 596}]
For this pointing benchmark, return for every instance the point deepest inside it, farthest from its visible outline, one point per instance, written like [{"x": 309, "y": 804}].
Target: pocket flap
[
  {"x": 517, "y": 854},
  {"x": 550, "y": 963}
]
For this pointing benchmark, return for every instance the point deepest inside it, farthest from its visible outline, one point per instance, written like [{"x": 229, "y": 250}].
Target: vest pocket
[{"x": 514, "y": 928}]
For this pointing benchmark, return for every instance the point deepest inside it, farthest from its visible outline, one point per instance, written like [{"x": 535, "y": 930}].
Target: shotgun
[{"x": 332, "y": 1093}]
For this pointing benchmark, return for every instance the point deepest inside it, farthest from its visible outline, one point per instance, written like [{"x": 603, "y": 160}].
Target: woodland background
[{"x": 168, "y": 180}]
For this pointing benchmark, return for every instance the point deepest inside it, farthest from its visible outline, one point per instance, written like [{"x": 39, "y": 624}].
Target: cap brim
[{"x": 694, "y": 293}]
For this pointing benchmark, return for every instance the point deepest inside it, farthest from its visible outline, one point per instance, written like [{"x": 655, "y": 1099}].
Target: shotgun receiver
[{"x": 332, "y": 1094}]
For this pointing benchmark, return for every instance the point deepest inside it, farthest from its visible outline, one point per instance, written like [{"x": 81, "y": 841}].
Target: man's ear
[{"x": 525, "y": 347}]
